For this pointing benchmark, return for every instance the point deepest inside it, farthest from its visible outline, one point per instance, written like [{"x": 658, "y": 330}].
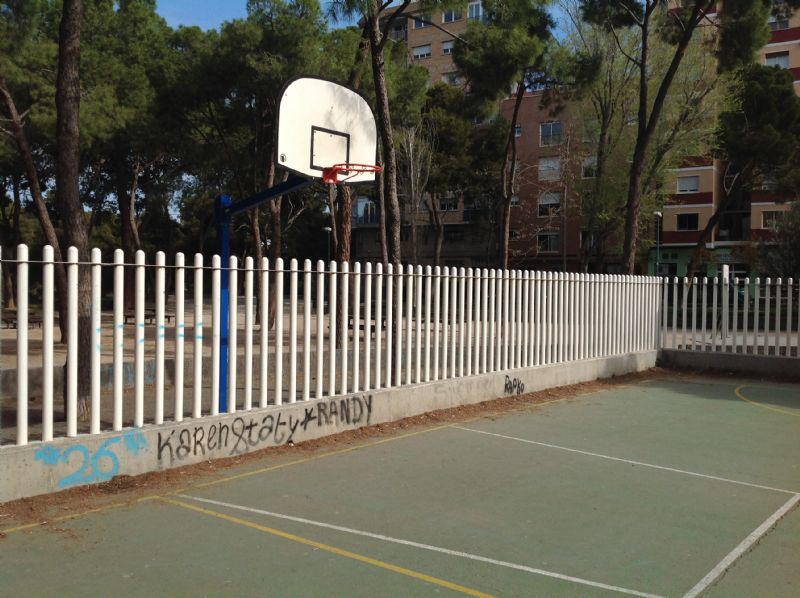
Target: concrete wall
[
  {"x": 39, "y": 468},
  {"x": 760, "y": 365}
]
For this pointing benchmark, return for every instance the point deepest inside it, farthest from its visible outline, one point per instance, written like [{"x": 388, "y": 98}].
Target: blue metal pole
[{"x": 223, "y": 218}]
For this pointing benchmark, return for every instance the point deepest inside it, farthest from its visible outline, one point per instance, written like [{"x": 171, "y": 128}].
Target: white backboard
[{"x": 322, "y": 123}]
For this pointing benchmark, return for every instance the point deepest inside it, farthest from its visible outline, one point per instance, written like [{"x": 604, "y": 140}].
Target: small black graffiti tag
[
  {"x": 246, "y": 432},
  {"x": 513, "y": 386}
]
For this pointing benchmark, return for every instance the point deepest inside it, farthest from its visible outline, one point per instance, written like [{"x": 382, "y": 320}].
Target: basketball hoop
[{"x": 331, "y": 175}]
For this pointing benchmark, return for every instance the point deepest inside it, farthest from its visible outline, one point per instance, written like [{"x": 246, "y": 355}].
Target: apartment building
[
  {"x": 546, "y": 231},
  {"x": 697, "y": 190}
]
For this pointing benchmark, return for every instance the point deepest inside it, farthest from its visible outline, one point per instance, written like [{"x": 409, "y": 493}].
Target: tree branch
[
  {"x": 388, "y": 24},
  {"x": 619, "y": 46}
]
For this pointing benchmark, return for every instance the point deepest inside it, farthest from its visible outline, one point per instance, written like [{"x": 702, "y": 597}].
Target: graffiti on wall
[
  {"x": 247, "y": 432},
  {"x": 88, "y": 466},
  {"x": 513, "y": 386}
]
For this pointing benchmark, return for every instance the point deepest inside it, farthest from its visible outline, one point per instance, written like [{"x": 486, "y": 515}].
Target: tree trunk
[
  {"x": 387, "y": 136},
  {"x": 258, "y": 250},
  {"x": 646, "y": 128},
  {"x": 129, "y": 232},
  {"x": 344, "y": 236},
  {"x": 382, "y": 218},
  {"x": 509, "y": 175},
  {"x": 48, "y": 230},
  {"x": 505, "y": 234},
  {"x": 438, "y": 228},
  {"x": 68, "y": 177}
]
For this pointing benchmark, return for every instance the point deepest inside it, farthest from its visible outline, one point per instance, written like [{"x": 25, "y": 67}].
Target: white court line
[
  {"x": 630, "y": 461},
  {"x": 447, "y": 551},
  {"x": 743, "y": 547}
]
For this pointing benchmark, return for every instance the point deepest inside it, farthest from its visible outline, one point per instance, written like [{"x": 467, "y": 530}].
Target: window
[
  {"x": 587, "y": 239},
  {"x": 448, "y": 204},
  {"x": 451, "y": 78},
  {"x": 514, "y": 201},
  {"x": 688, "y": 184},
  {"x": 421, "y": 24},
  {"x": 779, "y": 18},
  {"x": 420, "y": 52},
  {"x": 687, "y": 221},
  {"x": 548, "y": 242},
  {"x": 475, "y": 11},
  {"x": 450, "y": 16},
  {"x": 447, "y": 47},
  {"x": 549, "y": 169},
  {"x": 770, "y": 220},
  {"x": 778, "y": 59},
  {"x": 550, "y": 133},
  {"x": 589, "y": 167},
  {"x": 517, "y": 130},
  {"x": 549, "y": 203}
]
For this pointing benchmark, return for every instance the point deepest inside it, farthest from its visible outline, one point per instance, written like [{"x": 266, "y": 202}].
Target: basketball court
[{"x": 664, "y": 486}]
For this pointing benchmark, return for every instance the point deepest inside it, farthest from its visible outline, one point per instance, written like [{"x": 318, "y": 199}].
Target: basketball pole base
[{"x": 224, "y": 211}]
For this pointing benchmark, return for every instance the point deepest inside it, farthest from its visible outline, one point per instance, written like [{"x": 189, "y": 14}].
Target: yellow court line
[
  {"x": 332, "y": 549},
  {"x": 739, "y": 394}
]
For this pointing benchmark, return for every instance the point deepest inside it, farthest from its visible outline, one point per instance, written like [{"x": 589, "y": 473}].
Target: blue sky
[{"x": 207, "y": 14}]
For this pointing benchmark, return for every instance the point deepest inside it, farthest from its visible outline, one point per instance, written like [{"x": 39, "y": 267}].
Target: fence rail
[{"x": 333, "y": 330}]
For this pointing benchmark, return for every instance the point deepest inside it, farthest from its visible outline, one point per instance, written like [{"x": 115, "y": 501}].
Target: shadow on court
[{"x": 647, "y": 489}]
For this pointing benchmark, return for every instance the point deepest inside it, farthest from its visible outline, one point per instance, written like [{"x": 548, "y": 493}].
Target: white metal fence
[
  {"x": 733, "y": 315},
  {"x": 336, "y": 330}
]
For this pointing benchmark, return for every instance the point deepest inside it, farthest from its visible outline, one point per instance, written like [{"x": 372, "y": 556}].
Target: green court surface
[{"x": 664, "y": 487}]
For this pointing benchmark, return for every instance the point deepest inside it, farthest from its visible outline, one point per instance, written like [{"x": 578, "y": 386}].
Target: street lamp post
[
  {"x": 328, "y": 230},
  {"x": 658, "y": 241}
]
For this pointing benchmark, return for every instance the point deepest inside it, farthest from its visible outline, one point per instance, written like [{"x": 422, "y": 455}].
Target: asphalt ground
[{"x": 670, "y": 486}]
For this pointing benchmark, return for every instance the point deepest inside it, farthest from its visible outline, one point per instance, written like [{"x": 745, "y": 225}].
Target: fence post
[
  {"x": 22, "y": 344},
  {"x": 320, "y": 328},
  {"x": 368, "y": 325},
  {"x": 344, "y": 326},
  {"x": 409, "y": 319},
  {"x": 160, "y": 336},
  {"x": 229, "y": 404},
  {"x": 332, "y": 328},
  {"x": 293, "y": 330},
  {"x": 248, "y": 333},
  {"x": 306, "y": 330},
  {"x": 216, "y": 295},
  {"x": 180, "y": 334},
  {"x": 197, "y": 338},
  {"x": 356, "y": 326},
  {"x": 469, "y": 292},
  {"x": 279, "y": 331},
  {"x": 47, "y": 343},
  {"x": 445, "y": 319},
  {"x": 378, "y": 323},
  {"x": 725, "y": 305},
  {"x": 428, "y": 323},
  {"x": 97, "y": 339},
  {"x": 263, "y": 304},
  {"x": 119, "y": 329},
  {"x": 767, "y": 305},
  {"x": 437, "y": 307},
  {"x": 72, "y": 343},
  {"x": 756, "y": 315},
  {"x": 398, "y": 340},
  {"x": 418, "y": 326}
]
